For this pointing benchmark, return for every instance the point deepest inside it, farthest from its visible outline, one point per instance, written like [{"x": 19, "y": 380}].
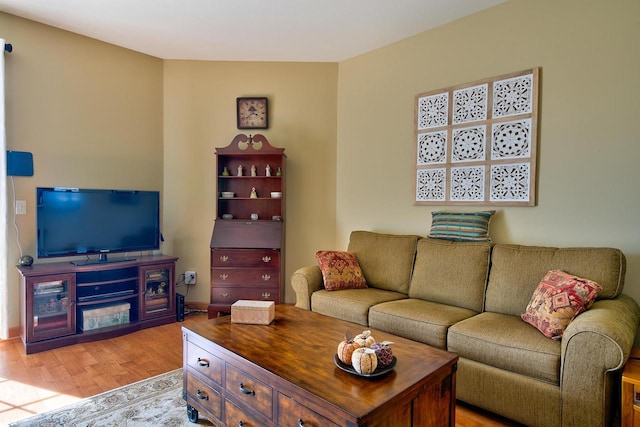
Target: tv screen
[{"x": 74, "y": 221}]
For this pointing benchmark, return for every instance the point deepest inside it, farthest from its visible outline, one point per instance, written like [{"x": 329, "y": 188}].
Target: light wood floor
[{"x": 35, "y": 383}]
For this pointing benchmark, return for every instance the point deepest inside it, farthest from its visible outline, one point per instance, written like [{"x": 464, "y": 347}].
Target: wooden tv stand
[{"x": 55, "y": 298}]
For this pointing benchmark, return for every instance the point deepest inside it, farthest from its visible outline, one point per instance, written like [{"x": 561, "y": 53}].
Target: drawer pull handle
[
  {"x": 247, "y": 391},
  {"x": 266, "y": 277},
  {"x": 266, "y": 295},
  {"x": 224, "y": 276},
  {"x": 224, "y": 258},
  {"x": 300, "y": 423},
  {"x": 224, "y": 295},
  {"x": 201, "y": 395},
  {"x": 203, "y": 362},
  {"x": 266, "y": 259}
]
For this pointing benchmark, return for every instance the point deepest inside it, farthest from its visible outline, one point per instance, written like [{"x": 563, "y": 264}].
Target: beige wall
[
  {"x": 588, "y": 149},
  {"x": 91, "y": 114},
  {"x": 199, "y": 115}
]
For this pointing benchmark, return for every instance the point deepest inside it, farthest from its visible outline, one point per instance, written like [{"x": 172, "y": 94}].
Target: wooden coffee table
[{"x": 284, "y": 374}]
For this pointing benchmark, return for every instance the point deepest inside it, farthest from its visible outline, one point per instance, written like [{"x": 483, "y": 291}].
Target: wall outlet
[
  {"x": 21, "y": 207},
  {"x": 190, "y": 277}
]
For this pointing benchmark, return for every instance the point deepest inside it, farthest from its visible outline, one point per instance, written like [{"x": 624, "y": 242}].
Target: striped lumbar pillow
[{"x": 461, "y": 226}]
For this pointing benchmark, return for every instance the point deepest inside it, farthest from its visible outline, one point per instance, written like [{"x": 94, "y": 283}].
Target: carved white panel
[
  {"x": 431, "y": 184},
  {"x": 511, "y": 140},
  {"x": 470, "y": 104},
  {"x": 432, "y": 148},
  {"x": 513, "y": 96},
  {"x": 468, "y": 144},
  {"x": 433, "y": 111},
  {"x": 510, "y": 183},
  {"x": 467, "y": 184}
]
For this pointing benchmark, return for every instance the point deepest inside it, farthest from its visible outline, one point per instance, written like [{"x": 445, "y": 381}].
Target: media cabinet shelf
[{"x": 54, "y": 296}]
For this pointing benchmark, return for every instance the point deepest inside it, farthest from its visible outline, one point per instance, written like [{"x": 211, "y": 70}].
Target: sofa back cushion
[
  {"x": 386, "y": 260},
  {"x": 516, "y": 272},
  {"x": 453, "y": 273}
]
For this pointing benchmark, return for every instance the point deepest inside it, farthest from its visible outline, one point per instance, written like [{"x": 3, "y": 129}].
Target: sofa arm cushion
[
  {"x": 305, "y": 281},
  {"x": 594, "y": 344}
]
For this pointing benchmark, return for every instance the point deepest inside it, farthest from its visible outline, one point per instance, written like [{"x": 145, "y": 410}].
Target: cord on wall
[{"x": 15, "y": 223}]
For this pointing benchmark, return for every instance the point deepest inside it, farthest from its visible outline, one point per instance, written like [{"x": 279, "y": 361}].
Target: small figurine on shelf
[
  {"x": 267, "y": 171},
  {"x": 279, "y": 172},
  {"x": 253, "y": 170},
  {"x": 239, "y": 170},
  {"x": 225, "y": 171},
  {"x": 254, "y": 195}
]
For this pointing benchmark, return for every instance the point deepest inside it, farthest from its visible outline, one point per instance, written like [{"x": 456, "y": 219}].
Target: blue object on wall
[{"x": 19, "y": 163}]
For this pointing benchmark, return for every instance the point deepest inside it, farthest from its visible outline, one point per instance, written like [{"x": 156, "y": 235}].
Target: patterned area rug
[{"x": 156, "y": 401}]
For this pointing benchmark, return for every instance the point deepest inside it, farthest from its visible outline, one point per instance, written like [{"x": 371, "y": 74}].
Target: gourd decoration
[
  {"x": 383, "y": 352},
  {"x": 346, "y": 348},
  {"x": 364, "y": 360},
  {"x": 365, "y": 339}
]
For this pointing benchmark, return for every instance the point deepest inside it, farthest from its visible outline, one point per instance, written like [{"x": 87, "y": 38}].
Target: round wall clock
[{"x": 252, "y": 113}]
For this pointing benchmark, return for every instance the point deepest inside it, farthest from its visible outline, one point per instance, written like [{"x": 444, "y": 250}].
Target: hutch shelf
[
  {"x": 247, "y": 243},
  {"x": 63, "y": 303}
]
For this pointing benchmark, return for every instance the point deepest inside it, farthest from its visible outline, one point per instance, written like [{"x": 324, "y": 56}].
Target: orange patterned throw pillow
[
  {"x": 340, "y": 270},
  {"x": 559, "y": 298}
]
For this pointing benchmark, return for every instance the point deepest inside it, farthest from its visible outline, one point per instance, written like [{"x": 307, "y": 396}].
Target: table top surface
[{"x": 299, "y": 347}]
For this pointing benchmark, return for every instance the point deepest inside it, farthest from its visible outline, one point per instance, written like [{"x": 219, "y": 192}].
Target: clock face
[{"x": 252, "y": 113}]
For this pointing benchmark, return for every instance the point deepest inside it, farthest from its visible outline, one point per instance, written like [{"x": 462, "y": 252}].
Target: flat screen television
[{"x": 76, "y": 221}]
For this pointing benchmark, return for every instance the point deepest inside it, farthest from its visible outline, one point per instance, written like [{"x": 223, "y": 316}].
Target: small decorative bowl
[
  {"x": 276, "y": 194},
  {"x": 227, "y": 216},
  {"x": 227, "y": 194}
]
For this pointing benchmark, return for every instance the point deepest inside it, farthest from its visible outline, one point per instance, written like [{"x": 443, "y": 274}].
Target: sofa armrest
[
  {"x": 305, "y": 281},
  {"x": 594, "y": 345}
]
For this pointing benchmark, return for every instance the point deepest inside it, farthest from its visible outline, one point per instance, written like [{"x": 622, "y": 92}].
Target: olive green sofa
[{"x": 468, "y": 297}]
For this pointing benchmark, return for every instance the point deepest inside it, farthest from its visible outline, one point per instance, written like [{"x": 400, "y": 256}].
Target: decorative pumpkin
[
  {"x": 364, "y": 360},
  {"x": 383, "y": 352},
  {"x": 365, "y": 339},
  {"x": 346, "y": 348}
]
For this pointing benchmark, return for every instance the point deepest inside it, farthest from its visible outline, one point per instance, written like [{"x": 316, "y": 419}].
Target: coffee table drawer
[
  {"x": 201, "y": 394},
  {"x": 204, "y": 363},
  {"x": 249, "y": 390},
  {"x": 292, "y": 413},
  {"x": 235, "y": 416}
]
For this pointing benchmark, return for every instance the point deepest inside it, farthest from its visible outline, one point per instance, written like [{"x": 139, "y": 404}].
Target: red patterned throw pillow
[
  {"x": 340, "y": 270},
  {"x": 558, "y": 299}
]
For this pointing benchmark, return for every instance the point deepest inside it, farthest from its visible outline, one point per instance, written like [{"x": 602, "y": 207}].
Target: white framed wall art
[{"x": 476, "y": 143}]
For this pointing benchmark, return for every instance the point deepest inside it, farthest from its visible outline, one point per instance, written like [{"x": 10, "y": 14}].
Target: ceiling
[{"x": 246, "y": 30}]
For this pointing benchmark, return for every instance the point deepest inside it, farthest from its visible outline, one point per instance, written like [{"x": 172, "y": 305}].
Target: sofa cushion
[
  {"x": 506, "y": 342},
  {"x": 351, "y": 304},
  {"x": 516, "y": 272},
  {"x": 461, "y": 226},
  {"x": 423, "y": 321},
  {"x": 340, "y": 270},
  {"x": 558, "y": 299},
  {"x": 386, "y": 259},
  {"x": 453, "y": 273}
]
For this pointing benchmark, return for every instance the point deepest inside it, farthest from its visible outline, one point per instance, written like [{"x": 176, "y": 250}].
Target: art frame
[{"x": 476, "y": 143}]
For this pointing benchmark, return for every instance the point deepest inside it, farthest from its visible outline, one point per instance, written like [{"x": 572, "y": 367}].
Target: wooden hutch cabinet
[
  {"x": 247, "y": 243},
  {"x": 62, "y": 303}
]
